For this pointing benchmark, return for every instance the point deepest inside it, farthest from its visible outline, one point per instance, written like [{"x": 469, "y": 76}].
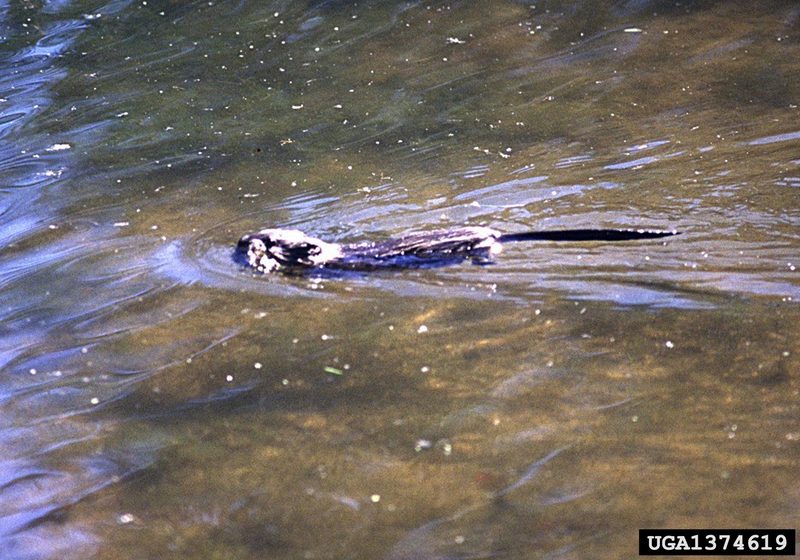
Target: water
[{"x": 158, "y": 401}]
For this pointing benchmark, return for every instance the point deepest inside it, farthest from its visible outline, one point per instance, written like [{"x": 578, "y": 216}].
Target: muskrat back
[{"x": 280, "y": 249}]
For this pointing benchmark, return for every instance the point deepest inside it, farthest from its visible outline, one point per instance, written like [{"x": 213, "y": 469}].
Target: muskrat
[{"x": 292, "y": 250}]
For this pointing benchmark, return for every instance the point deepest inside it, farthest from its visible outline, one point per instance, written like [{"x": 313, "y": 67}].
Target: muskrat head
[{"x": 271, "y": 249}]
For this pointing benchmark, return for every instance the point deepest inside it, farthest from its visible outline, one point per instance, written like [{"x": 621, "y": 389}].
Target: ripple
[
  {"x": 775, "y": 138},
  {"x": 57, "y": 39},
  {"x": 31, "y": 493},
  {"x": 212, "y": 265}
]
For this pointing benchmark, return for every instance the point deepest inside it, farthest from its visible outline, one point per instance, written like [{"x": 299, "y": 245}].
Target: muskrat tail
[{"x": 586, "y": 235}]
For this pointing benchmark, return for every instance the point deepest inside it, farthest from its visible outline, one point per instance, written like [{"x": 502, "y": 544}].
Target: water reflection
[
  {"x": 157, "y": 397},
  {"x": 41, "y": 474}
]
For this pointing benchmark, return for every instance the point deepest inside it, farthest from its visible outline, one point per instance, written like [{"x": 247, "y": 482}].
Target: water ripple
[{"x": 775, "y": 138}]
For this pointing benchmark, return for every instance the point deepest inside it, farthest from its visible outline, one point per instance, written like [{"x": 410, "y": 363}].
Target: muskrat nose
[{"x": 244, "y": 243}]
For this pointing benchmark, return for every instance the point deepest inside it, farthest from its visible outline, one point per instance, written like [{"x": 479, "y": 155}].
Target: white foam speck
[{"x": 58, "y": 147}]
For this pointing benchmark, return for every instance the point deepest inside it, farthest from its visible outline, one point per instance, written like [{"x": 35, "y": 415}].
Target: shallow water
[{"x": 158, "y": 401}]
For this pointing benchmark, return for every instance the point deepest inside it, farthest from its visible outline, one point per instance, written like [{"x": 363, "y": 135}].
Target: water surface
[{"x": 159, "y": 401}]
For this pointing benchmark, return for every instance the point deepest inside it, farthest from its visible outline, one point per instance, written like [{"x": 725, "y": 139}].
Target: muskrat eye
[{"x": 256, "y": 246}]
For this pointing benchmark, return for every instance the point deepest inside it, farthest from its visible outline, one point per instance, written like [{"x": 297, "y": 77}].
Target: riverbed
[{"x": 159, "y": 400}]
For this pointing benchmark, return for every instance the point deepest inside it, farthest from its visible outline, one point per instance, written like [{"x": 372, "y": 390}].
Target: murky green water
[{"x": 158, "y": 401}]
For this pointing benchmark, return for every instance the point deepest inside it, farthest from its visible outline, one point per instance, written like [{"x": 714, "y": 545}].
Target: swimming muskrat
[{"x": 292, "y": 250}]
